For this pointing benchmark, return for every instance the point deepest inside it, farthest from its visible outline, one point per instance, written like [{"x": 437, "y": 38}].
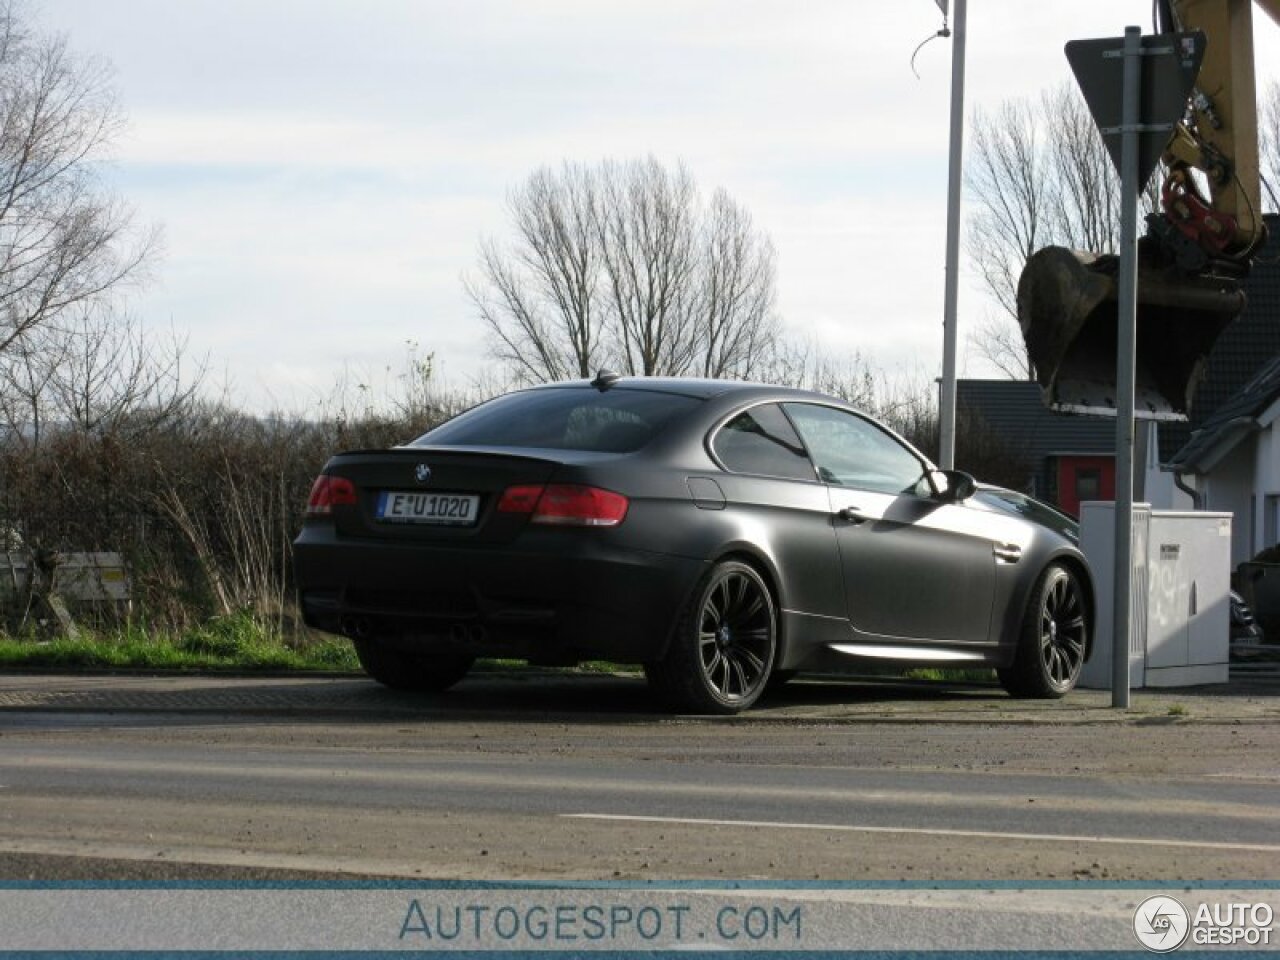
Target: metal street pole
[
  {"x": 1126, "y": 349},
  {"x": 947, "y": 401}
]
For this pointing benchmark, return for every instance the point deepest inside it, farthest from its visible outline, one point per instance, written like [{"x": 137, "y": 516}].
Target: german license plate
[{"x": 414, "y": 506}]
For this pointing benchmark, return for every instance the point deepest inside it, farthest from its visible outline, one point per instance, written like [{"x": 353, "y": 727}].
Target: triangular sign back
[{"x": 1169, "y": 62}]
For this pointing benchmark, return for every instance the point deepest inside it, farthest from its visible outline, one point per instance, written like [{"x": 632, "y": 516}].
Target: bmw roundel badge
[{"x": 422, "y": 472}]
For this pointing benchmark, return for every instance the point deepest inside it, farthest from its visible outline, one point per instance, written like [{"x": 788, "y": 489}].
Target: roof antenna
[{"x": 604, "y": 380}]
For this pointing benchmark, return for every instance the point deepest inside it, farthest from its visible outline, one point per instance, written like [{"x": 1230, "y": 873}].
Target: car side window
[
  {"x": 762, "y": 441},
  {"x": 850, "y": 451}
]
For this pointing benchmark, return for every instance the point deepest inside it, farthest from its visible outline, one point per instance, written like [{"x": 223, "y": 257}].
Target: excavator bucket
[{"x": 1067, "y": 306}]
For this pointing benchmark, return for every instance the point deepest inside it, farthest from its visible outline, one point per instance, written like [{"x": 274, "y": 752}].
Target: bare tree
[
  {"x": 64, "y": 240},
  {"x": 1084, "y": 188},
  {"x": 1038, "y": 175},
  {"x": 96, "y": 373},
  {"x": 809, "y": 365},
  {"x": 1006, "y": 178},
  {"x": 117, "y": 378},
  {"x": 737, "y": 292},
  {"x": 538, "y": 296},
  {"x": 26, "y": 370},
  {"x": 1269, "y": 145},
  {"x": 622, "y": 265},
  {"x": 648, "y": 238}
]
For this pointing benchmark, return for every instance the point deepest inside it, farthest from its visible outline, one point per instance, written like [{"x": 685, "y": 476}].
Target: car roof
[{"x": 702, "y": 388}]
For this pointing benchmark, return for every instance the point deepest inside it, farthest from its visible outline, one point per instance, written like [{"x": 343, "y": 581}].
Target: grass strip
[
  {"x": 242, "y": 643},
  {"x": 228, "y": 643}
]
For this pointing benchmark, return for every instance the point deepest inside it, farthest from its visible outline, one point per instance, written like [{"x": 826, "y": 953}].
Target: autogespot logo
[{"x": 1161, "y": 924}]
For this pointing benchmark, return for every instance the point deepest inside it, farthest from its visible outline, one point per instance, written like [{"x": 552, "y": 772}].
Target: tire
[
  {"x": 423, "y": 673},
  {"x": 722, "y": 653},
  {"x": 1053, "y": 638}
]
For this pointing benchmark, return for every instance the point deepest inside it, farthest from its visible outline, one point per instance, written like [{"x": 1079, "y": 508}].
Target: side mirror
[{"x": 952, "y": 486}]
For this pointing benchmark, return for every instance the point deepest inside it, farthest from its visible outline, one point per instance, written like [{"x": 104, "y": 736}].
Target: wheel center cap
[
  {"x": 723, "y": 636},
  {"x": 1053, "y": 630}
]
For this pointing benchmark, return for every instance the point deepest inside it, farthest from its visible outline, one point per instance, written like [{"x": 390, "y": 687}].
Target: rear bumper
[{"x": 554, "y": 596}]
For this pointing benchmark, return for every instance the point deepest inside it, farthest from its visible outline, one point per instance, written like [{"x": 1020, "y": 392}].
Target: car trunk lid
[
  {"x": 426, "y": 494},
  {"x": 442, "y": 494}
]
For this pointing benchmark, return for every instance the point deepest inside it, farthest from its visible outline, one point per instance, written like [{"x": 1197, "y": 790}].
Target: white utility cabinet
[{"x": 1181, "y": 582}]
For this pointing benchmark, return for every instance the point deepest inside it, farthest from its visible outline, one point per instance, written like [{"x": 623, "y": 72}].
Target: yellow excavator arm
[
  {"x": 1196, "y": 253},
  {"x": 1222, "y": 138}
]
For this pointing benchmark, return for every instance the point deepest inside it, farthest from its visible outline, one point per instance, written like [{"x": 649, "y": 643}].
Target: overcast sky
[{"x": 323, "y": 170}]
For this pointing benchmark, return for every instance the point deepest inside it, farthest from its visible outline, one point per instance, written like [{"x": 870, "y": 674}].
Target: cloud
[{"x": 324, "y": 170}]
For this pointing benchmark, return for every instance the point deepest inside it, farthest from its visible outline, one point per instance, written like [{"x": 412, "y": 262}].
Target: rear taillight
[
  {"x": 522, "y": 499},
  {"x": 328, "y": 492},
  {"x": 580, "y": 506},
  {"x": 566, "y": 504}
]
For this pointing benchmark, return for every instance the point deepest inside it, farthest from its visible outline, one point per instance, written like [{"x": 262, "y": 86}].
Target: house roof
[
  {"x": 1252, "y": 340},
  {"x": 1015, "y": 411},
  {"x": 1232, "y": 421}
]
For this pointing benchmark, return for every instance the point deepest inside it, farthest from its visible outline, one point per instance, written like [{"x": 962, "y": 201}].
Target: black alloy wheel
[
  {"x": 722, "y": 654},
  {"x": 1055, "y": 636}
]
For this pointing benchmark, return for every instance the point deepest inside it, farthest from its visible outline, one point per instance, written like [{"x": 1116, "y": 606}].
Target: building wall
[
  {"x": 1266, "y": 484},
  {"x": 1163, "y": 494},
  {"x": 1230, "y": 488},
  {"x": 1246, "y": 482}
]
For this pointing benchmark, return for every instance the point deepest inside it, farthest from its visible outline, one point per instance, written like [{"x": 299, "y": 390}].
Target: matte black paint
[{"x": 911, "y": 576}]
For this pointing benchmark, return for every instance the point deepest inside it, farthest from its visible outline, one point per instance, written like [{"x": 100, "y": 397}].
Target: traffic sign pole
[
  {"x": 1126, "y": 351},
  {"x": 1155, "y": 76}
]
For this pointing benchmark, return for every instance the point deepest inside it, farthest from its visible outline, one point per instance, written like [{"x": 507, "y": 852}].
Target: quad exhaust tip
[
  {"x": 357, "y": 628},
  {"x": 361, "y": 628}
]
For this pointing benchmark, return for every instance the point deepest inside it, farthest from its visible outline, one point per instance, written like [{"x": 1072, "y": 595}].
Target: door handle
[{"x": 853, "y": 515}]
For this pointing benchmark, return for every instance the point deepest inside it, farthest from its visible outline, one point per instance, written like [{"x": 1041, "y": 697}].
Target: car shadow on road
[
  {"x": 526, "y": 696},
  {"x": 831, "y": 690},
  {"x": 622, "y": 697}
]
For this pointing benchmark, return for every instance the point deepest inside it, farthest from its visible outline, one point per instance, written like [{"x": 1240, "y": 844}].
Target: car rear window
[
  {"x": 613, "y": 421},
  {"x": 761, "y": 441}
]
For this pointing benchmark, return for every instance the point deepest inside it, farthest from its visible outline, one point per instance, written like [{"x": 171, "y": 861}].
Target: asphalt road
[{"x": 543, "y": 777}]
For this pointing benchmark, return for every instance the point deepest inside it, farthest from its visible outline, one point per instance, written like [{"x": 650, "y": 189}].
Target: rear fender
[{"x": 746, "y": 553}]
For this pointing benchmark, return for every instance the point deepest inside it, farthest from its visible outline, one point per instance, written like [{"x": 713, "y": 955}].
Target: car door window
[
  {"x": 761, "y": 441},
  {"x": 851, "y": 451}
]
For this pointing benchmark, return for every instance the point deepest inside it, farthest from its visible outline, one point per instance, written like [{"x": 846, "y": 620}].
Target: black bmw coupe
[{"x": 722, "y": 534}]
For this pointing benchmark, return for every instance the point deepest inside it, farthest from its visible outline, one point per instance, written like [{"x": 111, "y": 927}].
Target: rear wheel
[
  {"x": 1054, "y": 637},
  {"x": 722, "y": 654},
  {"x": 411, "y": 671}
]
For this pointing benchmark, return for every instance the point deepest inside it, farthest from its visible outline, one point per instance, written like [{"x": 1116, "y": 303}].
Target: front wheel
[
  {"x": 722, "y": 654},
  {"x": 1053, "y": 640},
  {"x": 421, "y": 672}
]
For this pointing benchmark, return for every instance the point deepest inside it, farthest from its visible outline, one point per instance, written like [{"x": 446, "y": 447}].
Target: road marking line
[{"x": 924, "y": 831}]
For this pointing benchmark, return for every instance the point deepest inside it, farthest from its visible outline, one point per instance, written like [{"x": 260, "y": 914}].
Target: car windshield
[{"x": 569, "y": 418}]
